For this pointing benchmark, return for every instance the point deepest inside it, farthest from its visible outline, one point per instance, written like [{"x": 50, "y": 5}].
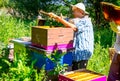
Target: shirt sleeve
[
  {"x": 71, "y": 21},
  {"x": 83, "y": 25},
  {"x": 118, "y": 38},
  {"x": 117, "y": 44}
]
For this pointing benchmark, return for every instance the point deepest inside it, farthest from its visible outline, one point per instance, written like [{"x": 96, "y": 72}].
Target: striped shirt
[
  {"x": 117, "y": 44},
  {"x": 83, "y": 39}
]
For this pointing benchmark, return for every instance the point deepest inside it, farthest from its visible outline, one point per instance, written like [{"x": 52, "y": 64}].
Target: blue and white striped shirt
[{"x": 83, "y": 39}]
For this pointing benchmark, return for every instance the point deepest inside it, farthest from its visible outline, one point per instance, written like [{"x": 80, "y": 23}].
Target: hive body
[{"x": 52, "y": 38}]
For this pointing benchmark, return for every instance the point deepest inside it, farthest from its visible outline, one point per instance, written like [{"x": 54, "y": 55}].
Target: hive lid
[{"x": 21, "y": 42}]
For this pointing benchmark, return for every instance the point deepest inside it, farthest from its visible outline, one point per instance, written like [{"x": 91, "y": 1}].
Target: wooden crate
[
  {"x": 82, "y": 75},
  {"x": 52, "y": 38}
]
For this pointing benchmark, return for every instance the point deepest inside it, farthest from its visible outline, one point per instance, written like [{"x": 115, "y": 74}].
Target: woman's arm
[
  {"x": 64, "y": 22},
  {"x": 67, "y": 24}
]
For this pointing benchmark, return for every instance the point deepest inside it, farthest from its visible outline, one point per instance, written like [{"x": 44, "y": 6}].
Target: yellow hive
[{"x": 82, "y": 75}]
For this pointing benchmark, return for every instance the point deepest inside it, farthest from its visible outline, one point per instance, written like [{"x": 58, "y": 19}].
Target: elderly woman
[{"x": 83, "y": 35}]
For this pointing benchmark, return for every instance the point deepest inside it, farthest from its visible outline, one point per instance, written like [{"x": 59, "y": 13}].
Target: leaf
[
  {"x": 7, "y": 62},
  {"x": 114, "y": 26}
]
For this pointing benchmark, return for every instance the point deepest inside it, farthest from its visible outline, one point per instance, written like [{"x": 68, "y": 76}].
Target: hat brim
[{"x": 74, "y": 7}]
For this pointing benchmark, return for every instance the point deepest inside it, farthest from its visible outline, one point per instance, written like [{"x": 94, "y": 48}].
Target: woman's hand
[
  {"x": 64, "y": 22},
  {"x": 52, "y": 15},
  {"x": 57, "y": 18}
]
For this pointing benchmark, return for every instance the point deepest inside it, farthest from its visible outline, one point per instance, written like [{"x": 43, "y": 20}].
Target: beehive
[
  {"x": 82, "y": 75},
  {"x": 41, "y": 56},
  {"x": 52, "y": 38}
]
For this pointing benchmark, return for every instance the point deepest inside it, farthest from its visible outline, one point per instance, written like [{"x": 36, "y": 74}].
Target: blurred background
[{"x": 18, "y": 16}]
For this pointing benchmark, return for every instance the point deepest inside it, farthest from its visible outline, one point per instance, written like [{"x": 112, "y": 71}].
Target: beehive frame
[{"x": 82, "y": 75}]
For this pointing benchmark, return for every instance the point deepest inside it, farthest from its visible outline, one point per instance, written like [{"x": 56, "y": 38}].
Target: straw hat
[{"x": 80, "y": 6}]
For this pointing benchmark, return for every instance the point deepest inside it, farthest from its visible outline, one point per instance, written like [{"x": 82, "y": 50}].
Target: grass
[
  {"x": 18, "y": 70},
  {"x": 100, "y": 60},
  {"x": 14, "y": 28}
]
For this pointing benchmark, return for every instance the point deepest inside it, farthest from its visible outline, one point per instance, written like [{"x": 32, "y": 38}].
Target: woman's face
[{"x": 77, "y": 13}]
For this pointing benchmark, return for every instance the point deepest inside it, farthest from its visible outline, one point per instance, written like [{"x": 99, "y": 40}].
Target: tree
[
  {"x": 96, "y": 9},
  {"x": 29, "y": 8}
]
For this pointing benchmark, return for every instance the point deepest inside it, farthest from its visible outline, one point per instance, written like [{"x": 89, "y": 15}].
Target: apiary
[
  {"x": 82, "y": 75},
  {"x": 40, "y": 55},
  {"x": 52, "y": 38}
]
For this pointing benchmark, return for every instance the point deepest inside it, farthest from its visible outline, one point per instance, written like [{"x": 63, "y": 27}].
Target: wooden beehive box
[
  {"x": 42, "y": 57},
  {"x": 82, "y": 75},
  {"x": 52, "y": 38}
]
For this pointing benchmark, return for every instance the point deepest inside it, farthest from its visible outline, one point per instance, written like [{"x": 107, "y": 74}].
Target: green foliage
[
  {"x": 19, "y": 70},
  {"x": 13, "y": 28},
  {"x": 55, "y": 57},
  {"x": 105, "y": 37},
  {"x": 94, "y": 8},
  {"x": 51, "y": 22},
  {"x": 3, "y": 55},
  {"x": 2, "y": 49},
  {"x": 4, "y": 3},
  {"x": 100, "y": 61},
  {"x": 28, "y": 8}
]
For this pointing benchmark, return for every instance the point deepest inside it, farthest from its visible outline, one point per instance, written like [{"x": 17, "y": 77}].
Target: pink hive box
[
  {"x": 52, "y": 38},
  {"x": 82, "y": 75}
]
